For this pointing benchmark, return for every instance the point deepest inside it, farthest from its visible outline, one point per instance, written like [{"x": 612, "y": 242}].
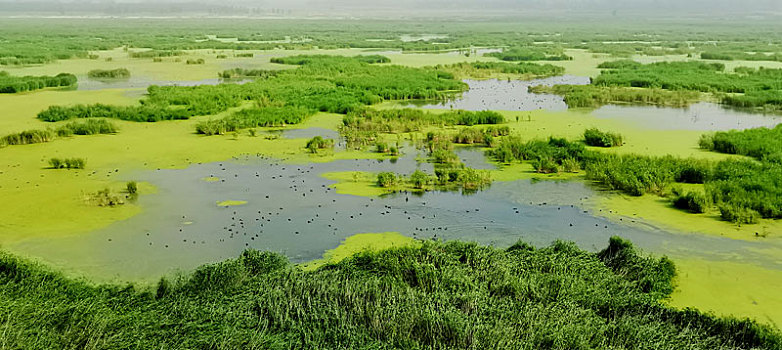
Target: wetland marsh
[{"x": 222, "y": 168}]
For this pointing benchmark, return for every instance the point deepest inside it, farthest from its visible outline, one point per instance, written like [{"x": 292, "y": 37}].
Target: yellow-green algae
[
  {"x": 231, "y": 203},
  {"x": 356, "y": 183},
  {"x": 729, "y": 288},
  {"x": 361, "y": 242},
  {"x": 658, "y": 211}
]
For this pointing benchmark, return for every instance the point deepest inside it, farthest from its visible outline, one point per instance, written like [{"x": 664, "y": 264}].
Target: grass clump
[
  {"x": 597, "y": 138},
  {"x": 694, "y": 202},
  {"x": 319, "y": 143},
  {"x": 67, "y": 163},
  {"x": 87, "y": 127},
  {"x": 119, "y": 73},
  {"x": 27, "y": 137},
  {"x": 387, "y": 179}
]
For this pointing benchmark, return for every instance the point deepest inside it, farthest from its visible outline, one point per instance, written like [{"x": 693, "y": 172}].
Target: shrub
[
  {"x": 737, "y": 214},
  {"x": 419, "y": 179},
  {"x": 597, "y": 138},
  {"x": 692, "y": 201},
  {"x": 386, "y": 179},
  {"x": 545, "y": 166},
  {"x": 318, "y": 143}
]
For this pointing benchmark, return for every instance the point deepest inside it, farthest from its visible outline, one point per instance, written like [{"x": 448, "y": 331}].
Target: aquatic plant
[
  {"x": 530, "y": 54},
  {"x": 597, "y": 138},
  {"x": 387, "y": 179},
  {"x": 131, "y": 187},
  {"x": 420, "y": 179},
  {"x": 105, "y": 198},
  {"x": 12, "y": 84},
  {"x": 119, "y": 73},
  {"x": 27, "y": 137},
  {"x": 692, "y": 201},
  {"x": 67, "y": 163},
  {"x": 318, "y": 143}
]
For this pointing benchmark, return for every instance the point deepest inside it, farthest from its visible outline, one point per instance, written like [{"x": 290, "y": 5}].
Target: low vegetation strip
[
  {"x": 482, "y": 69},
  {"x": 334, "y": 84},
  {"x": 119, "y": 73},
  {"x": 432, "y": 296},
  {"x": 85, "y": 127},
  {"x": 11, "y": 84},
  {"x": 676, "y": 84}
]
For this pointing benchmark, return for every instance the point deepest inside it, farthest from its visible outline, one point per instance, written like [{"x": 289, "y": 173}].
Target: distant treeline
[{"x": 11, "y": 84}]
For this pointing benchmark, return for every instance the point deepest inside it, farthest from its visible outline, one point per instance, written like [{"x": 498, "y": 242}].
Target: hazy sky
[{"x": 411, "y": 7}]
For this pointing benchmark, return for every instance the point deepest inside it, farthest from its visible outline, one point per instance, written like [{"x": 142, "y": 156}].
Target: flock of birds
[{"x": 293, "y": 210}]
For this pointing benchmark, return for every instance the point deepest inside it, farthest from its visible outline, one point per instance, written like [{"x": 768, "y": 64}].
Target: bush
[
  {"x": 597, "y": 138},
  {"x": 420, "y": 179},
  {"x": 67, "y": 163},
  {"x": 386, "y": 179},
  {"x": 545, "y": 166},
  {"x": 740, "y": 215},
  {"x": 692, "y": 201},
  {"x": 318, "y": 143},
  {"x": 10, "y": 84}
]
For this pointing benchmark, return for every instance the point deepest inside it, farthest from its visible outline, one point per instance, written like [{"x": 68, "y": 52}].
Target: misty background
[{"x": 395, "y": 9}]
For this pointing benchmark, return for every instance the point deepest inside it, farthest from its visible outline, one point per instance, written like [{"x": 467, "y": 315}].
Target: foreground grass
[{"x": 433, "y": 295}]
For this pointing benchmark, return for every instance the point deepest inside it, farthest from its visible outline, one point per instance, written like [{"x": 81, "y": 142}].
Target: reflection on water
[
  {"x": 506, "y": 95},
  {"x": 291, "y": 209},
  {"x": 700, "y": 116}
]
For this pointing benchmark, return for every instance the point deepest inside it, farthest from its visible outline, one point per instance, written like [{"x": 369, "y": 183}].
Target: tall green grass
[{"x": 436, "y": 296}]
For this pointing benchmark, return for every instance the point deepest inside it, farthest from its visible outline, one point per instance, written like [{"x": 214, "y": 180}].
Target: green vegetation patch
[
  {"x": 530, "y": 54},
  {"x": 329, "y": 84},
  {"x": 483, "y": 69},
  {"x": 11, "y": 84},
  {"x": 675, "y": 84},
  {"x": 433, "y": 295},
  {"x": 119, "y": 73}
]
